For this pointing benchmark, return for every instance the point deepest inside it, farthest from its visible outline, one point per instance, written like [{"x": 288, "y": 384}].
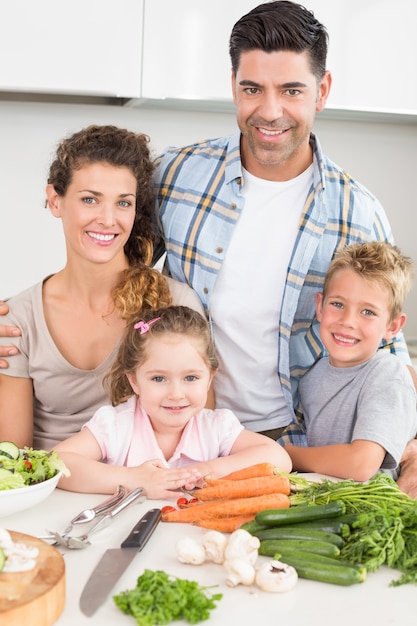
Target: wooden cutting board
[{"x": 43, "y": 600}]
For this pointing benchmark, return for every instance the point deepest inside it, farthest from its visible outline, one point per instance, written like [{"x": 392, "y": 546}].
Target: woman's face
[{"x": 97, "y": 211}]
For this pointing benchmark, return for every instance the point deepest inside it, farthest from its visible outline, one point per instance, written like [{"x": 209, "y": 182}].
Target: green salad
[{"x": 21, "y": 468}]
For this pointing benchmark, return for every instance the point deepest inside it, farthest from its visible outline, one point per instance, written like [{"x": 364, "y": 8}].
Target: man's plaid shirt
[{"x": 199, "y": 200}]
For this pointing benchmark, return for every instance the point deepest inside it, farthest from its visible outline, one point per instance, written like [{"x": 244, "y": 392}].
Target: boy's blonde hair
[{"x": 377, "y": 262}]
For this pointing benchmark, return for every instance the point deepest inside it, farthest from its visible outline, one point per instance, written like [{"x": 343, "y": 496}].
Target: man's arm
[{"x": 7, "y": 331}]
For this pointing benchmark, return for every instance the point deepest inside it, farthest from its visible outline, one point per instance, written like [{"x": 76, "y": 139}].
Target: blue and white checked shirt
[{"x": 199, "y": 200}]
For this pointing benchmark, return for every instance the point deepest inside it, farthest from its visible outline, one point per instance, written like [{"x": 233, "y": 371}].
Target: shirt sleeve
[{"x": 112, "y": 427}]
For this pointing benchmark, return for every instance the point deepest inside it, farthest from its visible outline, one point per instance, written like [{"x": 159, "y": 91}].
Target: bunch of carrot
[{"x": 227, "y": 503}]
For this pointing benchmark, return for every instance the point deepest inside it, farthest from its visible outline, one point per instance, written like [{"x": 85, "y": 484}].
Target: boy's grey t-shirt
[{"x": 374, "y": 401}]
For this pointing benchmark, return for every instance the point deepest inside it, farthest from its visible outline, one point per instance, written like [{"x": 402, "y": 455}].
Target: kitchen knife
[{"x": 114, "y": 561}]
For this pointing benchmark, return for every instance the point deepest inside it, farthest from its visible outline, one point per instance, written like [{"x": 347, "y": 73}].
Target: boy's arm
[{"x": 358, "y": 460}]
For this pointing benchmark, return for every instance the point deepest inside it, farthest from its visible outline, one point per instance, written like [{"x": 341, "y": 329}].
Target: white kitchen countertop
[{"x": 309, "y": 602}]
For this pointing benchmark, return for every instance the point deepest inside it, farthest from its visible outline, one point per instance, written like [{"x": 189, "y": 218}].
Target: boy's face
[{"x": 354, "y": 317}]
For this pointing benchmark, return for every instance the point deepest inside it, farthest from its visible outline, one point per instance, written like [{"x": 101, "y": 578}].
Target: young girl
[
  {"x": 100, "y": 187},
  {"x": 157, "y": 433}
]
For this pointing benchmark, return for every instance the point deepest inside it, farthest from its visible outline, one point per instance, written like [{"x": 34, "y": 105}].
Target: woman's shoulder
[
  {"x": 182, "y": 294},
  {"x": 24, "y": 304}
]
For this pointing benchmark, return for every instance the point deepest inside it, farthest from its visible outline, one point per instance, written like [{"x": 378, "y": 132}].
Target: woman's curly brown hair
[
  {"x": 121, "y": 148},
  {"x": 140, "y": 287}
]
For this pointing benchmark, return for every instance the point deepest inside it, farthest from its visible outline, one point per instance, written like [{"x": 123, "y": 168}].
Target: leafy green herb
[
  {"x": 383, "y": 521},
  {"x": 159, "y": 598}
]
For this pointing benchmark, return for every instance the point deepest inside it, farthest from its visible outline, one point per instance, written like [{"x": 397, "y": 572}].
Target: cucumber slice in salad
[{"x": 9, "y": 449}]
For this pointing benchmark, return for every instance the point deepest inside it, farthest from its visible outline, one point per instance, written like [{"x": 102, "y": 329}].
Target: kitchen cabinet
[
  {"x": 91, "y": 48},
  {"x": 372, "y": 53}
]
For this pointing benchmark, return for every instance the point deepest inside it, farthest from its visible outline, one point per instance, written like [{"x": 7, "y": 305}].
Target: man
[{"x": 252, "y": 221}]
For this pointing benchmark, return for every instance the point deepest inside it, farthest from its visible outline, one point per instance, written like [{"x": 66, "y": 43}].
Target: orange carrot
[
  {"x": 248, "y": 487},
  {"x": 225, "y": 524},
  {"x": 259, "y": 469},
  {"x": 228, "y": 508}
]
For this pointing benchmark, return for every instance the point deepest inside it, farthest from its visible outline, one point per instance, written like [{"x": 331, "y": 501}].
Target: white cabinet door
[
  {"x": 81, "y": 47},
  {"x": 372, "y": 51},
  {"x": 185, "y": 48}
]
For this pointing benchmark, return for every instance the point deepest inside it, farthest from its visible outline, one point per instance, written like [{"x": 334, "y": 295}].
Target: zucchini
[
  {"x": 332, "y": 525},
  {"x": 271, "y": 547},
  {"x": 9, "y": 450},
  {"x": 252, "y": 527},
  {"x": 300, "y": 513},
  {"x": 294, "y": 532},
  {"x": 329, "y": 571}
]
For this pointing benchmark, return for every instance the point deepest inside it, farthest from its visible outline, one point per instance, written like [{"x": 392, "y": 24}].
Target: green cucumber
[
  {"x": 253, "y": 526},
  {"x": 270, "y": 547},
  {"x": 10, "y": 450},
  {"x": 300, "y": 513},
  {"x": 329, "y": 571},
  {"x": 294, "y": 532},
  {"x": 332, "y": 525}
]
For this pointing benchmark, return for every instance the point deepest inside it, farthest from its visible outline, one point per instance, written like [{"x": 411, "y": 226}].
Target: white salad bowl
[{"x": 16, "y": 500}]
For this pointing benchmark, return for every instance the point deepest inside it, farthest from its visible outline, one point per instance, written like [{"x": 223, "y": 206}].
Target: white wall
[{"x": 380, "y": 155}]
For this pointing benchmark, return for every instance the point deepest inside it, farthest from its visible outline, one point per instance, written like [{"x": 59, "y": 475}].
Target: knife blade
[{"x": 114, "y": 562}]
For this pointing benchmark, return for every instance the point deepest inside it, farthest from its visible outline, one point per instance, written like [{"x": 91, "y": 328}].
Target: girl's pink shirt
[{"x": 126, "y": 438}]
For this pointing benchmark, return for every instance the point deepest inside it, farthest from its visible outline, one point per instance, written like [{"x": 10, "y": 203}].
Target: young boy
[{"x": 359, "y": 403}]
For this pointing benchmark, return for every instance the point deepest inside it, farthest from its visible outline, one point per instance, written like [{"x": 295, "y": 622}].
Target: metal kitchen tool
[
  {"x": 83, "y": 541},
  {"x": 89, "y": 514},
  {"x": 114, "y": 562}
]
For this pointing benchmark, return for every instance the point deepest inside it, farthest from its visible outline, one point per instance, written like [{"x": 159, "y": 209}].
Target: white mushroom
[
  {"x": 239, "y": 572},
  {"x": 242, "y": 545},
  {"x": 214, "y": 544},
  {"x": 190, "y": 551},
  {"x": 275, "y": 576}
]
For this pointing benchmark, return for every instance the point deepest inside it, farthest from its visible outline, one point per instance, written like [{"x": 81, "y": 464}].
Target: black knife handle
[{"x": 141, "y": 532}]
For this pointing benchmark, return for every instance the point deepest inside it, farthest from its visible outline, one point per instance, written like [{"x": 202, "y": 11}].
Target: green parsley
[{"x": 159, "y": 598}]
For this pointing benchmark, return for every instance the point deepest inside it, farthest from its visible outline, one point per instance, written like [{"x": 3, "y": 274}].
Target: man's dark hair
[{"x": 280, "y": 25}]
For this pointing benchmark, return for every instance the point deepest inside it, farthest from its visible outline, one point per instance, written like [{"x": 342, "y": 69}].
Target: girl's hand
[{"x": 160, "y": 482}]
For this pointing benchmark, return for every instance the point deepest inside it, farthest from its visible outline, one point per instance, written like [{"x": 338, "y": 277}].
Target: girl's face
[
  {"x": 97, "y": 211},
  {"x": 173, "y": 382},
  {"x": 354, "y": 317}
]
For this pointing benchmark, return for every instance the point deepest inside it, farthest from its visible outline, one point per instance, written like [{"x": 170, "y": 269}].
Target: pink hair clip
[{"x": 143, "y": 327}]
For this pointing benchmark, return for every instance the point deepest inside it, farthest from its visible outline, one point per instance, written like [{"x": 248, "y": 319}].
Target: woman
[{"x": 100, "y": 186}]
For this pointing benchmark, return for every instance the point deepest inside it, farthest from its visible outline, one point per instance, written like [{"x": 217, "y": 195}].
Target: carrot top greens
[{"x": 383, "y": 521}]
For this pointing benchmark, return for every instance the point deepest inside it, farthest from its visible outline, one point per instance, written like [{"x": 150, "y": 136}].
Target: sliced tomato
[{"x": 167, "y": 509}]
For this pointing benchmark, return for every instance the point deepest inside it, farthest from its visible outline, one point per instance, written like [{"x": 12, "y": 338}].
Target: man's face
[{"x": 277, "y": 96}]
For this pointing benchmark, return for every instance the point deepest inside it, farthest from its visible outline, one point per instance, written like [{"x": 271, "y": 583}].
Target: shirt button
[
  {"x": 218, "y": 250},
  {"x": 233, "y": 206},
  {"x": 205, "y": 290}
]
